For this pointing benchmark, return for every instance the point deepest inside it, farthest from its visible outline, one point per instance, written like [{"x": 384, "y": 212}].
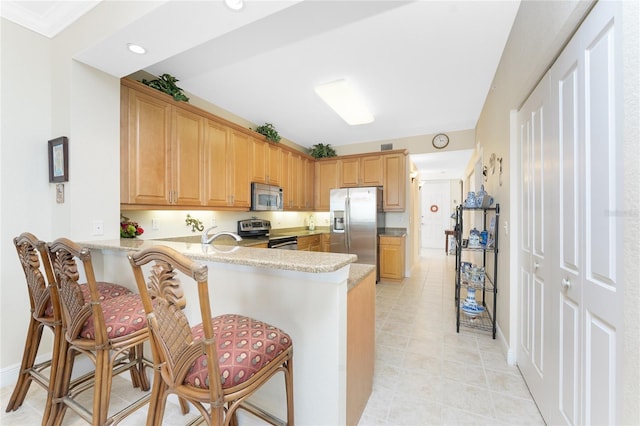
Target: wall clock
[{"x": 440, "y": 141}]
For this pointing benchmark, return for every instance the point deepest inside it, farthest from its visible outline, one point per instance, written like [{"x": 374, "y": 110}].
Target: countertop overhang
[{"x": 291, "y": 260}]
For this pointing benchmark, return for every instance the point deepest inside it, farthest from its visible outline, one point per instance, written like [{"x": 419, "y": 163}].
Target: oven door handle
[{"x": 288, "y": 243}]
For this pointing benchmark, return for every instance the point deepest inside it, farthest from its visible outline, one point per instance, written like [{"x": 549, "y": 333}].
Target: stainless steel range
[
  {"x": 260, "y": 228},
  {"x": 284, "y": 243},
  {"x": 254, "y": 228}
]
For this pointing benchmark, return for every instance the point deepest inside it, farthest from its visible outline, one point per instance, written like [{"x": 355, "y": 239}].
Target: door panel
[
  {"x": 537, "y": 156},
  {"x": 570, "y": 215},
  {"x": 435, "y": 223},
  {"x": 602, "y": 295},
  {"x": 590, "y": 239},
  {"x": 569, "y": 351}
]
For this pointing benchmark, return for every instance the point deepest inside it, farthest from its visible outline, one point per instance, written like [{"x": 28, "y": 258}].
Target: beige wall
[
  {"x": 46, "y": 94},
  {"x": 533, "y": 32},
  {"x": 421, "y": 144},
  {"x": 631, "y": 225}
]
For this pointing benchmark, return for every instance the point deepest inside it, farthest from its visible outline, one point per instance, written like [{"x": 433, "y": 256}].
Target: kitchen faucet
[{"x": 206, "y": 239}]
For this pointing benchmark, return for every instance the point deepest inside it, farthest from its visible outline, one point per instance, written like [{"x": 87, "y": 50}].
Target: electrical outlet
[
  {"x": 98, "y": 227},
  {"x": 154, "y": 223}
]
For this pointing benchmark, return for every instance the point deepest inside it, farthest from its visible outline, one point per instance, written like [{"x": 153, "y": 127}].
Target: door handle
[
  {"x": 566, "y": 284},
  {"x": 536, "y": 265}
]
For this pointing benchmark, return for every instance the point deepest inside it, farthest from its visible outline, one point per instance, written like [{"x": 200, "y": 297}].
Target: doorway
[{"x": 435, "y": 216}]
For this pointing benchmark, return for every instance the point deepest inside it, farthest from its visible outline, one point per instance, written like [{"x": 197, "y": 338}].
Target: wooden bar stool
[
  {"x": 218, "y": 363},
  {"x": 110, "y": 332},
  {"x": 45, "y": 313}
]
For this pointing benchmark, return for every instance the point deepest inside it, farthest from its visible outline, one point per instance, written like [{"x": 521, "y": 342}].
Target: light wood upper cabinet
[
  {"x": 287, "y": 184},
  {"x": 217, "y": 157},
  {"x": 274, "y": 166},
  {"x": 260, "y": 161},
  {"x": 361, "y": 171},
  {"x": 241, "y": 158},
  {"x": 387, "y": 170},
  {"x": 174, "y": 155},
  {"x": 327, "y": 178},
  {"x": 267, "y": 163},
  {"x": 349, "y": 172},
  {"x": 309, "y": 179},
  {"x": 145, "y": 149},
  {"x": 161, "y": 152},
  {"x": 395, "y": 182},
  {"x": 187, "y": 149}
]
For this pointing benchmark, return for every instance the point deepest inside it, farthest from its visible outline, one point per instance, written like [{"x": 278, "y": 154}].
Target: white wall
[
  {"x": 25, "y": 190},
  {"x": 46, "y": 94}
]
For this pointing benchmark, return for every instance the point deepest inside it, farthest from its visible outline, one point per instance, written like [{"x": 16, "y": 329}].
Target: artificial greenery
[
  {"x": 321, "y": 150},
  {"x": 269, "y": 132},
  {"x": 167, "y": 83}
]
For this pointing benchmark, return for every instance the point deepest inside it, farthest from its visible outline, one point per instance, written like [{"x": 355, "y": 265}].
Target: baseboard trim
[
  {"x": 9, "y": 375},
  {"x": 511, "y": 355}
]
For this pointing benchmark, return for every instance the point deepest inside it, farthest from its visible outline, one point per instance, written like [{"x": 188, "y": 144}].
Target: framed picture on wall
[{"x": 59, "y": 159}]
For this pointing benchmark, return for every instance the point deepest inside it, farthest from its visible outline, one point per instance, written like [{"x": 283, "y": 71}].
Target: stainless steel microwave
[{"x": 266, "y": 197}]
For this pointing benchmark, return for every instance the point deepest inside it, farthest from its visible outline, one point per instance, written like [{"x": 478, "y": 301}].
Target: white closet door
[
  {"x": 538, "y": 151},
  {"x": 570, "y": 293},
  {"x": 586, "y": 86}
]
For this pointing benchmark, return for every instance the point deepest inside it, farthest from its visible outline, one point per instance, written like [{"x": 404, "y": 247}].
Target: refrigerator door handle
[{"x": 347, "y": 223}]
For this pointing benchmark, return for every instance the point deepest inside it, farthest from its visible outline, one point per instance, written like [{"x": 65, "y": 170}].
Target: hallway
[{"x": 425, "y": 374}]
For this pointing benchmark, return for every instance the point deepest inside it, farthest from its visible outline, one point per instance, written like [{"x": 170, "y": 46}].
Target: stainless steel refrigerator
[{"x": 356, "y": 221}]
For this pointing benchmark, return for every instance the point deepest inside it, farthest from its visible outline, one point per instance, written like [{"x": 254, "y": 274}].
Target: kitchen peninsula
[{"x": 325, "y": 301}]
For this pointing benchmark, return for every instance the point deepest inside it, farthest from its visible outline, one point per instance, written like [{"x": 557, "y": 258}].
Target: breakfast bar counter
[{"x": 303, "y": 293}]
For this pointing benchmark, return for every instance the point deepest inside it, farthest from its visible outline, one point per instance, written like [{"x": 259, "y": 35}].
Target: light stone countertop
[
  {"x": 357, "y": 272},
  {"x": 291, "y": 260},
  {"x": 394, "y": 232}
]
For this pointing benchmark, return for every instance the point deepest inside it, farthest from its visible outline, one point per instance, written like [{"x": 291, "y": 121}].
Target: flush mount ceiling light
[
  {"x": 341, "y": 97},
  {"x": 135, "y": 48},
  {"x": 234, "y": 4}
]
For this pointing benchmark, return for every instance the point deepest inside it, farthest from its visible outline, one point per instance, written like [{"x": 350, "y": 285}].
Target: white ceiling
[{"x": 423, "y": 66}]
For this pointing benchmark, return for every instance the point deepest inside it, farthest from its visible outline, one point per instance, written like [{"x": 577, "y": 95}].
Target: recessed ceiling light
[
  {"x": 135, "y": 48},
  {"x": 234, "y": 4},
  {"x": 344, "y": 100}
]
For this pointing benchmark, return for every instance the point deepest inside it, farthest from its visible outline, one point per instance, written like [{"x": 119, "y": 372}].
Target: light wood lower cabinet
[
  {"x": 325, "y": 242},
  {"x": 309, "y": 243},
  {"x": 392, "y": 255}
]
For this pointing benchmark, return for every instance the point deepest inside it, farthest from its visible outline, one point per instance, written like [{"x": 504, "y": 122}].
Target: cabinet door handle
[
  {"x": 536, "y": 265},
  {"x": 566, "y": 284}
]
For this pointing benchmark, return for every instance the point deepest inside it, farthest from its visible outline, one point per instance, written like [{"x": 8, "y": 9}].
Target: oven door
[{"x": 288, "y": 243}]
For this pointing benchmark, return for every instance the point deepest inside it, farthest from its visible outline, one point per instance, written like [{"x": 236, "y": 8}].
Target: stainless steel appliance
[
  {"x": 254, "y": 228},
  {"x": 284, "y": 243},
  {"x": 266, "y": 197},
  {"x": 356, "y": 219}
]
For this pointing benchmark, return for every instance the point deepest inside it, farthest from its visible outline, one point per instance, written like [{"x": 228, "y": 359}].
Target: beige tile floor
[{"x": 425, "y": 373}]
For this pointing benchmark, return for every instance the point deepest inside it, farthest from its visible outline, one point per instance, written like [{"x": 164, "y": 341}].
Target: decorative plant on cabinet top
[
  {"x": 167, "y": 83},
  {"x": 269, "y": 132},
  {"x": 322, "y": 151}
]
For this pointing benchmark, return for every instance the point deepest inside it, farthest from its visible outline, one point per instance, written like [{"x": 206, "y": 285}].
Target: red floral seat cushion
[
  {"x": 105, "y": 289},
  {"x": 123, "y": 315},
  {"x": 244, "y": 346}
]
